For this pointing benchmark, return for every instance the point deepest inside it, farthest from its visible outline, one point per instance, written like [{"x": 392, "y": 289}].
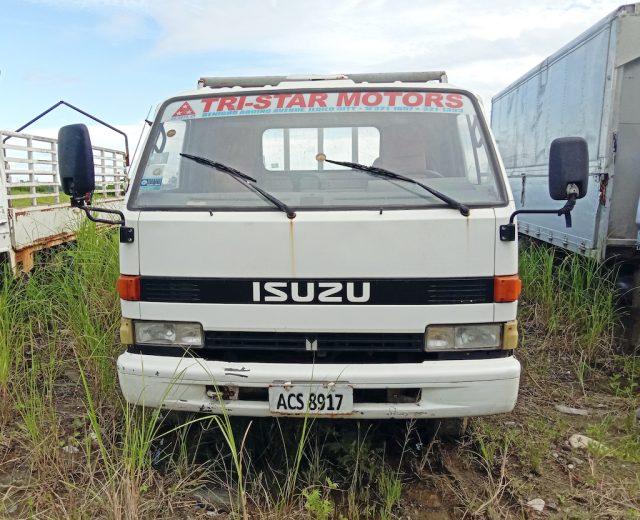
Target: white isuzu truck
[{"x": 335, "y": 246}]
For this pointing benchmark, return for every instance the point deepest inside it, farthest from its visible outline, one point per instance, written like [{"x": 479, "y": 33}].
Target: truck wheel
[
  {"x": 450, "y": 429},
  {"x": 171, "y": 418},
  {"x": 633, "y": 320},
  {"x": 628, "y": 302}
]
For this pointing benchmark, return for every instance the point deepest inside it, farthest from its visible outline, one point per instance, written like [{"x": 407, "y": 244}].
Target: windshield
[{"x": 433, "y": 137}]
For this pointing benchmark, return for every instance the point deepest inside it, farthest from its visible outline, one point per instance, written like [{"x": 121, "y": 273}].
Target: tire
[{"x": 449, "y": 429}]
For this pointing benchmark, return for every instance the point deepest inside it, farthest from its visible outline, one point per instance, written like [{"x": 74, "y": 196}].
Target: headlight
[
  {"x": 463, "y": 337},
  {"x": 168, "y": 333}
]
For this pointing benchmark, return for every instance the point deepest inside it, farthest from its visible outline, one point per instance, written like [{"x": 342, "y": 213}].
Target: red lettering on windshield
[
  {"x": 281, "y": 99},
  {"x": 392, "y": 96},
  {"x": 262, "y": 102},
  {"x": 433, "y": 99},
  {"x": 372, "y": 99},
  {"x": 317, "y": 99},
  {"x": 412, "y": 99},
  {"x": 297, "y": 101},
  {"x": 454, "y": 101},
  {"x": 227, "y": 103},
  {"x": 348, "y": 99},
  {"x": 207, "y": 103}
]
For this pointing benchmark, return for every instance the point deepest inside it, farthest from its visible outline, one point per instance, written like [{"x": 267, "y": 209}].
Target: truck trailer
[
  {"x": 34, "y": 214},
  {"x": 324, "y": 246},
  {"x": 589, "y": 88}
]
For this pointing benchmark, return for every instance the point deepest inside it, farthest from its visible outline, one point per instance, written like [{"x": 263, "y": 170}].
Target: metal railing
[{"x": 29, "y": 167}]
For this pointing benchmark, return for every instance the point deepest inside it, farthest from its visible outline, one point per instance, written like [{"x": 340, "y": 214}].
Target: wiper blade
[
  {"x": 243, "y": 179},
  {"x": 386, "y": 174}
]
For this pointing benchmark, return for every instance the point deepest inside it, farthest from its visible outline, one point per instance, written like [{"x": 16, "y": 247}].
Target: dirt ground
[
  {"x": 502, "y": 463},
  {"x": 71, "y": 448},
  {"x": 505, "y": 462}
]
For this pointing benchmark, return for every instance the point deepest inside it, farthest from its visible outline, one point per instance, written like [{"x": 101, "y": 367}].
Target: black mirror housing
[
  {"x": 568, "y": 165},
  {"x": 75, "y": 161}
]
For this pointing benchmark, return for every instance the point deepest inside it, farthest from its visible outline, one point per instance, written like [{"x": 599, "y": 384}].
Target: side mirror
[
  {"x": 568, "y": 179},
  {"x": 568, "y": 168},
  {"x": 75, "y": 162}
]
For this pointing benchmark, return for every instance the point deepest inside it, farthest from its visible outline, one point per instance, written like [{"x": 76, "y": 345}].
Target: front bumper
[{"x": 458, "y": 388}]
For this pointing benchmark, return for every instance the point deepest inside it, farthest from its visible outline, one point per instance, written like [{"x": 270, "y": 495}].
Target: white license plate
[{"x": 311, "y": 399}]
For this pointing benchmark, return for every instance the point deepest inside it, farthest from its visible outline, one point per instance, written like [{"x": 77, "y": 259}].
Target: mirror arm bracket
[
  {"x": 126, "y": 233},
  {"x": 508, "y": 231}
]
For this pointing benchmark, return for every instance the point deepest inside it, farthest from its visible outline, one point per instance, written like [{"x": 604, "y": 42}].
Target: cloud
[
  {"x": 95, "y": 4},
  {"x": 486, "y": 43},
  {"x": 102, "y": 136},
  {"x": 335, "y": 33},
  {"x": 122, "y": 25}
]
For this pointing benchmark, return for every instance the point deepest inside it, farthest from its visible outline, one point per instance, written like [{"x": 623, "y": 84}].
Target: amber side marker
[
  {"x": 129, "y": 287},
  {"x": 506, "y": 288}
]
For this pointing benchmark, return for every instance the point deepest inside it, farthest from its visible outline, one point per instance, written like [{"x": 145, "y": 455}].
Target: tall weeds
[
  {"x": 102, "y": 457},
  {"x": 98, "y": 455},
  {"x": 571, "y": 297},
  {"x": 13, "y": 335},
  {"x": 63, "y": 319}
]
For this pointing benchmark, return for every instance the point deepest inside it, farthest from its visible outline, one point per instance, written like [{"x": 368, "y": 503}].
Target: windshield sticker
[
  {"x": 151, "y": 183},
  {"x": 159, "y": 157},
  {"x": 319, "y": 102},
  {"x": 184, "y": 111}
]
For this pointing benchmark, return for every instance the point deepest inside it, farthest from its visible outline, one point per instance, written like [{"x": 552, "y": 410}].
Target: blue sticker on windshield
[{"x": 151, "y": 183}]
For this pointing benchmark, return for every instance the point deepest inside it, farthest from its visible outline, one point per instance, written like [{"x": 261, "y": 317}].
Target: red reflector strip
[
  {"x": 506, "y": 288},
  {"x": 129, "y": 287}
]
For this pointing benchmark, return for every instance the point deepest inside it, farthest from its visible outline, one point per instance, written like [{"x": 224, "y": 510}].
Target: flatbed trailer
[{"x": 34, "y": 214}]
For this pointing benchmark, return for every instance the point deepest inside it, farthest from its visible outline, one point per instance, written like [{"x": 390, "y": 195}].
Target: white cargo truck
[
  {"x": 589, "y": 88},
  {"x": 324, "y": 245}
]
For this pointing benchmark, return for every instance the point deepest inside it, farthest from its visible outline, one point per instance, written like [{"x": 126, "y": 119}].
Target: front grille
[
  {"x": 176, "y": 291},
  {"x": 451, "y": 292},
  {"x": 318, "y": 357},
  {"x": 389, "y": 291},
  {"x": 322, "y": 342}
]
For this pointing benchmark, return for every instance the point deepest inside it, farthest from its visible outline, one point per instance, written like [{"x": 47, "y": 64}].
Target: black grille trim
[
  {"x": 325, "y": 341},
  {"x": 404, "y": 291},
  {"x": 318, "y": 357}
]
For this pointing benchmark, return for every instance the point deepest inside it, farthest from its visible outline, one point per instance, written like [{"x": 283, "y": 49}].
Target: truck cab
[{"x": 324, "y": 245}]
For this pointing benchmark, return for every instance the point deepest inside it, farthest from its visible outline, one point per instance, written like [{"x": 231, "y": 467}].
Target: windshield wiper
[
  {"x": 386, "y": 174},
  {"x": 243, "y": 179}
]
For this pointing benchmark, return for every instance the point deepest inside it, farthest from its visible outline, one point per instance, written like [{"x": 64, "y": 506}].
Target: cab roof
[{"x": 220, "y": 85}]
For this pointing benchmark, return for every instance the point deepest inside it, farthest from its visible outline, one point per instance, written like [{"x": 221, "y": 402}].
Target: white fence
[
  {"x": 31, "y": 170},
  {"x": 34, "y": 213}
]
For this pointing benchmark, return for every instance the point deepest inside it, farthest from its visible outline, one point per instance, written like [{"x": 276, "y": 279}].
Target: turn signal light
[
  {"x": 506, "y": 288},
  {"x": 129, "y": 287}
]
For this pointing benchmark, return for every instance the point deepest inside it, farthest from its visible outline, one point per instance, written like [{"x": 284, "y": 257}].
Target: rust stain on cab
[{"x": 292, "y": 249}]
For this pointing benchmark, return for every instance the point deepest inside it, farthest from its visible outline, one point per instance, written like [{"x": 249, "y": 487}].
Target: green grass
[
  {"x": 12, "y": 334},
  {"x": 570, "y": 353},
  {"x": 108, "y": 458},
  {"x": 44, "y": 196},
  {"x": 569, "y": 297},
  {"x": 89, "y": 454}
]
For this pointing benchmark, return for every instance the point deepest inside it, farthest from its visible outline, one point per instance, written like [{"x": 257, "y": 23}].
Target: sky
[{"x": 118, "y": 58}]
